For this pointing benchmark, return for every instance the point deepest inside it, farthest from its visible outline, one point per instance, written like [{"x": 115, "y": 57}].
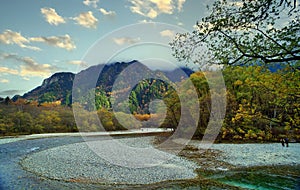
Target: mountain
[
  {"x": 59, "y": 86},
  {"x": 92, "y": 78},
  {"x": 178, "y": 74}
]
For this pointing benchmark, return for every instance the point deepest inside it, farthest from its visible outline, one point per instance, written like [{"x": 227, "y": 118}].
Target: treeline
[
  {"x": 29, "y": 117},
  {"x": 24, "y": 117},
  {"x": 261, "y": 105}
]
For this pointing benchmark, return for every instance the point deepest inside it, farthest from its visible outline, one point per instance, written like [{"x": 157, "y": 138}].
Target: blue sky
[{"x": 41, "y": 37}]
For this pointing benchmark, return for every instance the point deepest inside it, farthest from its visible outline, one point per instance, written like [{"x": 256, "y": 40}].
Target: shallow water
[{"x": 271, "y": 177}]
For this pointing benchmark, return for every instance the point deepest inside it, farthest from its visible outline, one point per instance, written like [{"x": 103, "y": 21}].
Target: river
[{"x": 267, "y": 174}]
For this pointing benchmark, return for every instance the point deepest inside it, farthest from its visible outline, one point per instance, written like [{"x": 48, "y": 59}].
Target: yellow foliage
[
  {"x": 247, "y": 136},
  {"x": 259, "y": 138},
  {"x": 51, "y": 104},
  {"x": 238, "y": 83},
  {"x": 237, "y": 137},
  {"x": 241, "y": 131}
]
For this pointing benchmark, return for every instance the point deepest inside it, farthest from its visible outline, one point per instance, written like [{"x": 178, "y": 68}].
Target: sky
[{"x": 41, "y": 37}]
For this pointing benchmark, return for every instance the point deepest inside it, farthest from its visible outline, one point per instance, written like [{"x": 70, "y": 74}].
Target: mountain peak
[
  {"x": 59, "y": 85},
  {"x": 56, "y": 77}
]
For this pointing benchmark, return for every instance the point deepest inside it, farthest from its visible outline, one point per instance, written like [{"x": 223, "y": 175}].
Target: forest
[{"x": 262, "y": 105}]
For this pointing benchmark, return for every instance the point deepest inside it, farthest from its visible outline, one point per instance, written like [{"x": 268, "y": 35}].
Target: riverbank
[
  {"x": 68, "y": 163},
  {"x": 264, "y": 154},
  {"x": 130, "y": 132}
]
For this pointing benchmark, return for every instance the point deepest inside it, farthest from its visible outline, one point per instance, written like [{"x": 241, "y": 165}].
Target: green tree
[
  {"x": 101, "y": 99},
  {"x": 6, "y": 122},
  {"x": 47, "y": 97},
  {"x": 244, "y": 32},
  {"x": 23, "y": 122}
]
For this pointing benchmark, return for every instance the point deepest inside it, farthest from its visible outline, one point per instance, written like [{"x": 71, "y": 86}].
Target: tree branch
[{"x": 267, "y": 36}]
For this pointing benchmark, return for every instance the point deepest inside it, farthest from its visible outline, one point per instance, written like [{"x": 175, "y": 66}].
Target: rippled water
[{"x": 272, "y": 177}]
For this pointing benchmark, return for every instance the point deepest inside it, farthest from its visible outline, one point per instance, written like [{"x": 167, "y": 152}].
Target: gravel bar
[
  {"x": 78, "y": 163},
  {"x": 247, "y": 155}
]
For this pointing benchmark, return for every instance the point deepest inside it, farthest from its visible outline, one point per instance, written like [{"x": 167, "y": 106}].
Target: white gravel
[
  {"x": 4, "y": 140},
  {"x": 77, "y": 162},
  {"x": 257, "y": 154},
  {"x": 11, "y": 139}
]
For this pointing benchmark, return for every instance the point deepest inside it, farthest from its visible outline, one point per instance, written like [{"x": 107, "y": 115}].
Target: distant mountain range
[{"x": 59, "y": 86}]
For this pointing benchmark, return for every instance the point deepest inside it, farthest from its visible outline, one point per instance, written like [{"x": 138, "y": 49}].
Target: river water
[{"x": 13, "y": 176}]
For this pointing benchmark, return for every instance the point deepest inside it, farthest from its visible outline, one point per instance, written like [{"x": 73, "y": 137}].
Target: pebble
[
  {"x": 78, "y": 162},
  {"x": 257, "y": 154}
]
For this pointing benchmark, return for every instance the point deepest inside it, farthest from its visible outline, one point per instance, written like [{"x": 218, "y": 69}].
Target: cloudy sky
[{"x": 39, "y": 37}]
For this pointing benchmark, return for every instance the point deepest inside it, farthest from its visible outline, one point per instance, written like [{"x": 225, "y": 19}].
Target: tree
[
  {"x": 6, "y": 122},
  {"x": 7, "y": 101},
  {"x": 244, "y": 32},
  {"x": 49, "y": 120},
  {"x": 106, "y": 119},
  {"x": 22, "y": 122},
  {"x": 47, "y": 97},
  {"x": 173, "y": 105}
]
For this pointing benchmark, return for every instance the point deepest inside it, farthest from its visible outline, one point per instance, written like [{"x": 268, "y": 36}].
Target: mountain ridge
[{"x": 58, "y": 87}]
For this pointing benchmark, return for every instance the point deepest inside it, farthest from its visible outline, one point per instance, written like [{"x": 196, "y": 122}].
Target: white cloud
[
  {"x": 164, "y": 6},
  {"x": 9, "y": 37},
  {"x": 64, "y": 42},
  {"x": 78, "y": 62},
  {"x": 87, "y": 20},
  {"x": 75, "y": 62},
  {"x": 145, "y": 21},
  {"x": 152, "y": 13},
  {"x": 8, "y": 71},
  {"x": 180, "y": 24},
  {"x": 107, "y": 13},
  {"x": 43, "y": 70},
  {"x": 92, "y": 3},
  {"x": 4, "y": 81},
  {"x": 8, "y": 56},
  {"x": 32, "y": 68},
  {"x": 152, "y": 8},
  {"x": 126, "y": 40},
  {"x": 180, "y": 4},
  {"x": 52, "y": 17},
  {"x": 29, "y": 68},
  {"x": 167, "y": 33},
  {"x": 143, "y": 8}
]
